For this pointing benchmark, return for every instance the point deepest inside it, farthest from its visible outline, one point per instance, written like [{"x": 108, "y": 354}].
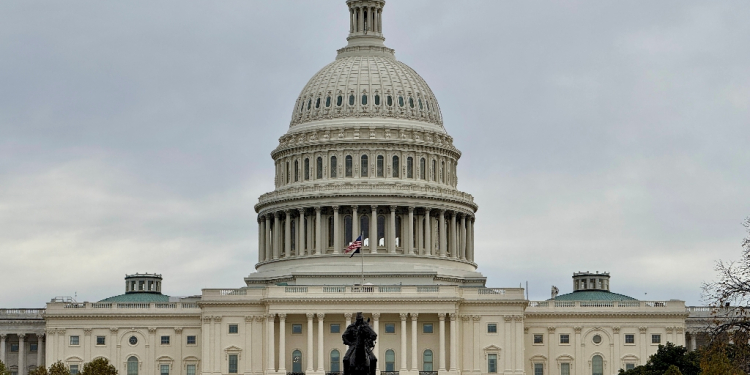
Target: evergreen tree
[
  {"x": 99, "y": 366},
  {"x": 688, "y": 363},
  {"x": 715, "y": 361},
  {"x": 3, "y": 369},
  {"x": 58, "y": 368},
  {"x": 673, "y": 370},
  {"x": 39, "y": 370}
]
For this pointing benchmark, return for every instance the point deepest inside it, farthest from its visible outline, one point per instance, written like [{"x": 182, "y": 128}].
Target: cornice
[
  {"x": 126, "y": 316},
  {"x": 362, "y": 300},
  {"x": 605, "y": 314},
  {"x": 291, "y": 148}
]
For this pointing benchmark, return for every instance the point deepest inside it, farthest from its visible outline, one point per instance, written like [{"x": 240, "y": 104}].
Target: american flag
[{"x": 354, "y": 247}]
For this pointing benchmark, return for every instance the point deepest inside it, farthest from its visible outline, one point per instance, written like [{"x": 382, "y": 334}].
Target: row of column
[
  {"x": 358, "y": 21},
  {"x": 270, "y": 327},
  {"x": 448, "y": 234},
  {"x": 22, "y": 351}
]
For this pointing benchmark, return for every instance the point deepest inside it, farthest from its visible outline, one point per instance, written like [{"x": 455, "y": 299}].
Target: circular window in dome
[
  {"x": 377, "y": 99},
  {"x": 389, "y": 100},
  {"x": 328, "y": 101},
  {"x": 351, "y": 99},
  {"x": 596, "y": 339},
  {"x": 401, "y": 101},
  {"x": 133, "y": 340},
  {"x": 339, "y": 100}
]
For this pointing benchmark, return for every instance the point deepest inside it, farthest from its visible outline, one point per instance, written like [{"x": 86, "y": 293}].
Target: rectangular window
[
  {"x": 492, "y": 328},
  {"x": 629, "y": 366},
  {"x": 296, "y": 329},
  {"x": 538, "y": 339},
  {"x": 14, "y": 373},
  {"x": 656, "y": 339},
  {"x": 33, "y": 347},
  {"x": 630, "y": 339},
  {"x": 336, "y": 328},
  {"x": 191, "y": 340},
  {"x": 73, "y": 369},
  {"x": 427, "y": 328},
  {"x": 101, "y": 340},
  {"x": 564, "y": 339},
  {"x": 73, "y": 340},
  {"x": 390, "y": 328},
  {"x": 234, "y": 328},
  {"x": 14, "y": 347},
  {"x": 165, "y": 340},
  {"x": 190, "y": 369},
  {"x": 539, "y": 369},
  {"x": 492, "y": 363},
  {"x": 233, "y": 363},
  {"x": 565, "y": 369},
  {"x": 163, "y": 369}
]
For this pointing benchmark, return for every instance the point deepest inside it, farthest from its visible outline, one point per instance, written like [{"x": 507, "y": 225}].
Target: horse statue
[{"x": 359, "y": 359}]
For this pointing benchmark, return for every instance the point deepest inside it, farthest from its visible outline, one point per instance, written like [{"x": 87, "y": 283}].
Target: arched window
[
  {"x": 307, "y": 169},
  {"x": 409, "y": 167},
  {"x": 377, "y": 99},
  {"x": 411, "y": 102},
  {"x": 351, "y": 99},
  {"x": 364, "y": 99},
  {"x": 334, "y": 166},
  {"x": 296, "y": 170},
  {"x": 133, "y": 366},
  {"x": 381, "y": 230},
  {"x": 389, "y": 100},
  {"x": 380, "y": 166},
  {"x": 364, "y": 226},
  {"x": 597, "y": 365},
  {"x": 330, "y": 231},
  {"x": 319, "y": 168},
  {"x": 390, "y": 360},
  {"x": 339, "y": 100},
  {"x": 317, "y": 103},
  {"x": 363, "y": 166},
  {"x": 427, "y": 360},
  {"x": 335, "y": 361},
  {"x": 398, "y": 231},
  {"x": 297, "y": 361},
  {"x": 422, "y": 168},
  {"x": 400, "y": 101},
  {"x": 309, "y": 104},
  {"x": 432, "y": 172},
  {"x": 347, "y": 229},
  {"x": 420, "y": 104},
  {"x": 348, "y": 165},
  {"x": 328, "y": 101},
  {"x": 395, "y": 166}
]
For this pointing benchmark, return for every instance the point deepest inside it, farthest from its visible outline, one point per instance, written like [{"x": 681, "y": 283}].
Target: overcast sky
[{"x": 135, "y": 136}]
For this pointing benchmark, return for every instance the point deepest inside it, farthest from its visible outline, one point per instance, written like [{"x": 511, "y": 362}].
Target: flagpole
[{"x": 362, "y": 257}]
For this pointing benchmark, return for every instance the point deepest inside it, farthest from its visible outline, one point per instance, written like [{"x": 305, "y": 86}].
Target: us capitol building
[{"x": 366, "y": 154}]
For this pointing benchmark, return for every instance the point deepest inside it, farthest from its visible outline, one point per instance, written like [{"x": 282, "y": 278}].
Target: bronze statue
[{"x": 359, "y": 359}]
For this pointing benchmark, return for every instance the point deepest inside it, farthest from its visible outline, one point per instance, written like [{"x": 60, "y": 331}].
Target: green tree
[
  {"x": 673, "y": 370},
  {"x": 99, "y": 366},
  {"x": 3, "y": 369},
  {"x": 58, "y": 368},
  {"x": 715, "y": 361},
  {"x": 39, "y": 370},
  {"x": 688, "y": 363}
]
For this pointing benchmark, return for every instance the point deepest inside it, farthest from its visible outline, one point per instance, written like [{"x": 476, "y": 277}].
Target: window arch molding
[
  {"x": 539, "y": 359},
  {"x": 489, "y": 351},
  {"x": 565, "y": 358},
  {"x": 334, "y": 357},
  {"x": 593, "y": 359},
  {"x": 390, "y": 360},
  {"x": 428, "y": 360}
]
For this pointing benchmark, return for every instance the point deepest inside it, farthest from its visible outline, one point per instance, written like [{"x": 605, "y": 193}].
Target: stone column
[
  {"x": 282, "y": 343},
  {"x": 414, "y": 355},
  {"x": 441, "y": 230},
  {"x": 39, "y": 349},
  {"x": 391, "y": 238},
  {"x": 402, "y": 352},
  {"x": 374, "y": 230},
  {"x": 577, "y": 344},
  {"x": 348, "y": 319},
  {"x": 21, "y": 353},
  {"x": 300, "y": 244},
  {"x": 276, "y": 235},
  {"x": 470, "y": 244},
  {"x": 288, "y": 234},
  {"x": 427, "y": 234},
  {"x": 355, "y": 223},
  {"x": 261, "y": 240},
  {"x": 454, "y": 343},
  {"x": 2, "y": 348},
  {"x": 441, "y": 352},
  {"x": 271, "y": 347},
  {"x": 452, "y": 243},
  {"x": 693, "y": 342},
  {"x": 616, "y": 357},
  {"x": 318, "y": 239},
  {"x": 268, "y": 243},
  {"x": 462, "y": 245},
  {"x": 336, "y": 231},
  {"x": 409, "y": 244},
  {"x": 519, "y": 344},
  {"x": 644, "y": 349},
  {"x": 376, "y": 328},
  {"x": 477, "y": 347},
  {"x": 217, "y": 331},
  {"x": 310, "y": 350},
  {"x": 320, "y": 341}
]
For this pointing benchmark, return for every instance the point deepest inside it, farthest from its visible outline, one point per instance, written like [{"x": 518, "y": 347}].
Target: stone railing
[
  {"x": 104, "y": 307},
  {"x": 22, "y": 314},
  {"x": 545, "y": 306}
]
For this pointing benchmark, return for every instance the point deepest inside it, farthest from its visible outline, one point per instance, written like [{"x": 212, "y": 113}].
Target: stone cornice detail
[
  {"x": 289, "y": 148},
  {"x": 604, "y": 313}
]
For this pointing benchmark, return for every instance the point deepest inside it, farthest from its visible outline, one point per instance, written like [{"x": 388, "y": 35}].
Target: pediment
[{"x": 492, "y": 348}]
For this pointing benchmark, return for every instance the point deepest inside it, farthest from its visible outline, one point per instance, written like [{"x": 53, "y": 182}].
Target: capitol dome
[{"x": 366, "y": 155}]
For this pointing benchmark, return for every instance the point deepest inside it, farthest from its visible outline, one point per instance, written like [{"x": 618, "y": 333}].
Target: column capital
[
  {"x": 217, "y": 319},
  {"x": 578, "y": 329},
  {"x": 376, "y": 316},
  {"x": 411, "y": 208},
  {"x": 317, "y": 209},
  {"x": 508, "y": 318},
  {"x": 393, "y": 208},
  {"x": 287, "y": 211},
  {"x": 550, "y": 329},
  {"x": 113, "y": 330},
  {"x": 615, "y": 329},
  {"x": 3, "y": 336},
  {"x": 282, "y": 316},
  {"x": 453, "y": 316},
  {"x": 374, "y": 207},
  {"x": 152, "y": 330},
  {"x": 301, "y": 211},
  {"x": 321, "y": 316},
  {"x": 355, "y": 208},
  {"x": 476, "y": 318},
  {"x": 403, "y": 316},
  {"x": 40, "y": 336},
  {"x": 271, "y": 316},
  {"x": 348, "y": 315},
  {"x": 276, "y": 214},
  {"x": 87, "y": 331},
  {"x": 442, "y": 211},
  {"x": 643, "y": 329},
  {"x": 268, "y": 215},
  {"x": 178, "y": 330},
  {"x": 414, "y": 316},
  {"x": 259, "y": 318},
  {"x": 335, "y": 208},
  {"x": 310, "y": 316},
  {"x": 465, "y": 318},
  {"x": 21, "y": 336},
  {"x": 441, "y": 316}
]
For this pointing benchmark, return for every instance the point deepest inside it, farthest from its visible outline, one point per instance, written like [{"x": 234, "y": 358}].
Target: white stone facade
[{"x": 366, "y": 154}]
